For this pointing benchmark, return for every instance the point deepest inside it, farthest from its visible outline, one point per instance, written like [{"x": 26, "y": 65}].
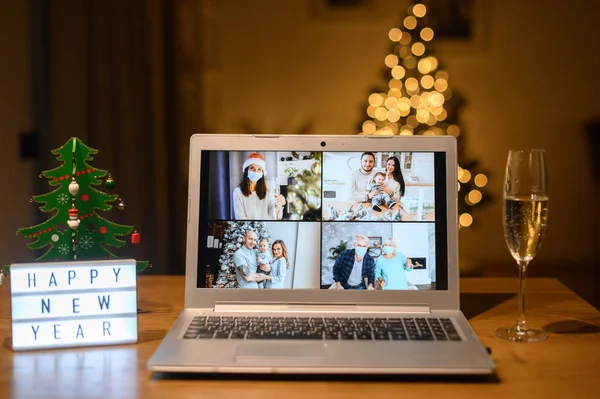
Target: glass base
[{"x": 518, "y": 334}]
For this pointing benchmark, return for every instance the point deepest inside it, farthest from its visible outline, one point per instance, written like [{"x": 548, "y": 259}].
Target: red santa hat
[{"x": 257, "y": 159}]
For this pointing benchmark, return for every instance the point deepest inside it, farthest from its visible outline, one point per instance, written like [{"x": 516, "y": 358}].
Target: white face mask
[
  {"x": 387, "y": 249},
  {"x": 254, "y": 176},
  {"x": 360, "y": 251}
]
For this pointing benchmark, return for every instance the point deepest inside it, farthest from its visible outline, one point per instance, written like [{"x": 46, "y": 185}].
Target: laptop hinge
[{"x": 258, "y": 307}]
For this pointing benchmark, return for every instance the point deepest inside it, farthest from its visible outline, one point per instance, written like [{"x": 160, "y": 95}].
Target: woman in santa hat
[{"x": 251, "y": 199}]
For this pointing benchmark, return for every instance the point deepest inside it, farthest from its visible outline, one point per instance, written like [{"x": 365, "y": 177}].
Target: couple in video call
[
  {"x": 378, "y": 188},
  {"x": 263, "y": 267},
  {"x": 355, "y": 268}
]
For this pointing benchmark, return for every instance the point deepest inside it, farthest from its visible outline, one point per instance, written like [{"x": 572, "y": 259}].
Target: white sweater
[
  {"x": 252, "y": 207},
  {"x": 359, "y": 185}
]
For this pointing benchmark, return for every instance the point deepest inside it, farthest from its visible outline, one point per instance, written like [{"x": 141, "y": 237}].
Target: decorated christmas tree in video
[{"x": 233, "y": 239}]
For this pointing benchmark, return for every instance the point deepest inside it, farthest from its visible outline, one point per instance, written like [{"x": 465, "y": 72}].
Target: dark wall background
[{"x": 136, "y": 78}]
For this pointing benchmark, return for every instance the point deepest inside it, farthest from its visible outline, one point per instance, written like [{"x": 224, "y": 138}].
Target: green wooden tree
[{"x": 76, "y": 230}]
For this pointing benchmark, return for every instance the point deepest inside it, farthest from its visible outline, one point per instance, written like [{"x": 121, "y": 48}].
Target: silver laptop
[{"x": 322, "y": 254}]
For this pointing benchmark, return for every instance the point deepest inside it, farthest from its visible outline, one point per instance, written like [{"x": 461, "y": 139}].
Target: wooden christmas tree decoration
[{"x": 76, "y": 230}]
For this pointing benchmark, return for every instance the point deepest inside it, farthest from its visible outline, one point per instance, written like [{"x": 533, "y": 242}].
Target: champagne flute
[
  {"x": 525, "y": 215},
  {"x": 275, "y": 188}
]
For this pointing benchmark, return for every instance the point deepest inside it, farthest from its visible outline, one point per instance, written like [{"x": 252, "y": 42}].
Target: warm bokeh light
[
  {"x": 448, "y": 94},
  {"x": 475, "y": 196},
  {"x": 442, "y": 115},
  {"x": 395, "y": 84},
  {"x": 441, "y": 85},
  {"x": 413, "y": 92},
  {"x": 410, "y": 22},
  {"x": 386, "y": 131},
  {"x": 427, "y": 34},
  {"x": 424, "y": 66},
  {"x": 466, "y": 220},
  {"x": 436, "y": 99},
  {"x": 411, "y": 84},
  {"x": 381, "y": 113},
  {"x": 437, "y": 130},
  {"x": 432, "y": 120},
  {"x": 398, "y": 72},
  {"x": 418, "y": 49},
  {"x": 395, "y": 93},
  {"x": 436, "y": 110},
  {"x": 453, "y": 130},
  {"x": 393, "y": 115},
  {"x": 369, "y": 127},
  {"x": 375, "y": 99},
  {"x": 371, "y": 111},
  {"x": 391, "y": 103},
  {"x": 434, "y": 63},
  {"x": 419, "y": 10},
  {"x": 481, "y": 180},
  {"x": 412, "y": 121},
  {"x": 404, "y": 104},
  {"x": 427, "y": 81},
  {"x": 406, "y": 38},
  {"x": 391, "y": 60},
  {"x": 465, "y": 177},
  {"x": 441, "y": 74},
  {"x": 410, "y": 62},
  {"x": 415, "y": 101},
  {"x": 395, "y": 34},
  {"x": 422, "y": 115},
  {"x": 405, "y": 52}
]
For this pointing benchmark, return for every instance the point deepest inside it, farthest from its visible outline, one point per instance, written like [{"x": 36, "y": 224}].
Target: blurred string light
[
  {"x": 465, "y": 220},
  {"x": 417, "y": 100}
]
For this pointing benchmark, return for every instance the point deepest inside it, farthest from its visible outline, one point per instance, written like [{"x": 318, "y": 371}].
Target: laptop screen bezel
[{"x": 207, "y": 297}]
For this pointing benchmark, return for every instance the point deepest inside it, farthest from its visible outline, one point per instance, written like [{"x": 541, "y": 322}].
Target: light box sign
[{"x": 75, "y": 303}]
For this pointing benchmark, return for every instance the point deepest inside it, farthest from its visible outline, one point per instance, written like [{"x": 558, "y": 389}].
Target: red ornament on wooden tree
[{"x": 135, "y": 238}]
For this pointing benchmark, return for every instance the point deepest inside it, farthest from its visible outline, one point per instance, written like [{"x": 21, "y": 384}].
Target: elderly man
[
  {"x": 245, "y": 263},
  {"x": 354, "y": 269}
]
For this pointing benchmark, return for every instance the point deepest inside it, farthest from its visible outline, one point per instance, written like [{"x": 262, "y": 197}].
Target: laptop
[{"x": 322, "y": 254}]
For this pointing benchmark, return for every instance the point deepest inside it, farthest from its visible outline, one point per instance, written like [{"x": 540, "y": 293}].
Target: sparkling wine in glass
[
  {"x": 525, "y": 216},
  {"x": 276, "y": 188}
]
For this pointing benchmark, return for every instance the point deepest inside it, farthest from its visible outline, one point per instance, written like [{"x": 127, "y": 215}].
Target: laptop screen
[{"x": 323, "y": 220}]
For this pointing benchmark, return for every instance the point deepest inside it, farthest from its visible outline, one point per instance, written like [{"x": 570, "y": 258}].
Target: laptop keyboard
[{"x": 323, "y": 328}]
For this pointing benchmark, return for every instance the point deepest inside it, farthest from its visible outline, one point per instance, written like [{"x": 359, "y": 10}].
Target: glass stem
[{"x": 521, "y": 322}]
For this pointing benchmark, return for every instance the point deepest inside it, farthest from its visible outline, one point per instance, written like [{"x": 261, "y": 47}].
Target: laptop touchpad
[{"x": 275, "y": 350}]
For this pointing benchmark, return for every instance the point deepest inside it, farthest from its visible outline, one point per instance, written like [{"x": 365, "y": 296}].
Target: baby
[
  {"x": 381, "y": 197},
  {"x": 263, "y": 257}
]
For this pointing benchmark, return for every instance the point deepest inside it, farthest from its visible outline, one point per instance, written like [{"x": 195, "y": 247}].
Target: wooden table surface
[{"x": 565, "y": 365}]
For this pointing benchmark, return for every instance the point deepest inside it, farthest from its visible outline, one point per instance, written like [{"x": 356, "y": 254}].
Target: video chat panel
[{"x": 310, "y": 220}]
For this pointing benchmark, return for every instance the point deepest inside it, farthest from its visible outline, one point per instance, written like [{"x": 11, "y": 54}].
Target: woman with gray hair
[{"x": 391, "y": 267}]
